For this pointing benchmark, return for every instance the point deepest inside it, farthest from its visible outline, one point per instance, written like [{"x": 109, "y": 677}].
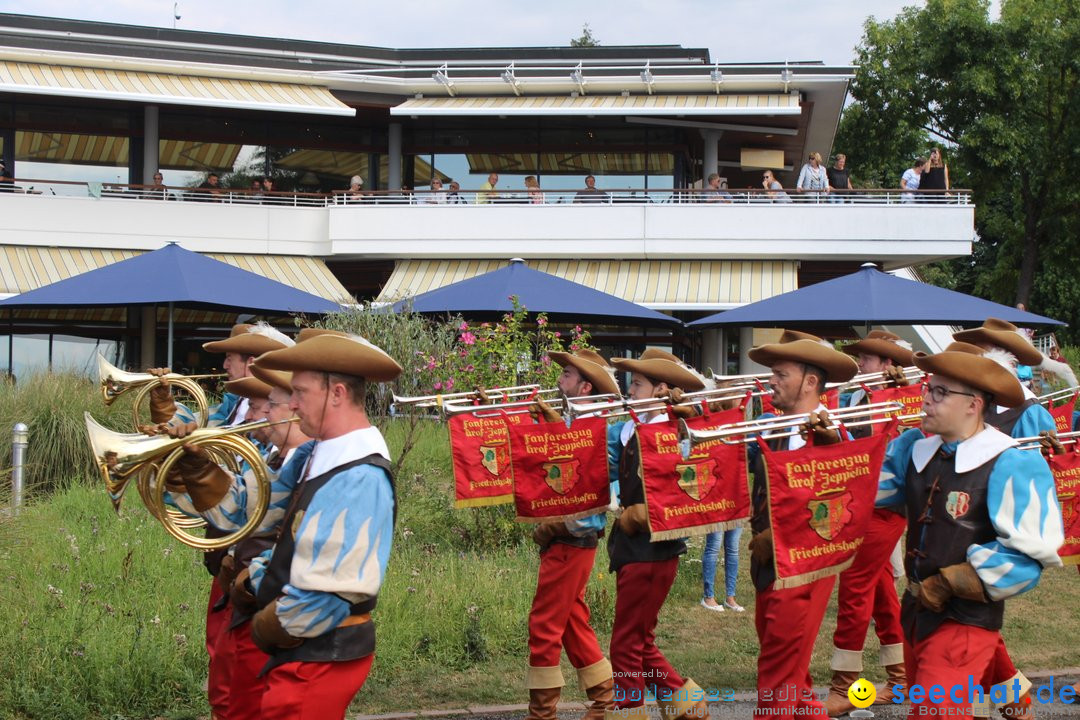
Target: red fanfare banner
[
  {"x": 707, "y": 492},
  {"x": 480, "y": 449},
  {"x": 560, "y": 472},
  {"x": 820, "y": 503},
  {"x": 911, "y": 396},
  {"x": 830, "y": 399},
  {"x": 1066, "y": 469},
  {"x": 1063, "y": 414}
]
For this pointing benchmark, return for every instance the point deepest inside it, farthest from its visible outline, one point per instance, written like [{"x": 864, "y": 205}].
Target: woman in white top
[
  {"x": 776, "y": 190},
  {"x": 532, "y": 188},
  {"x": 813, "y": 178},
  {"x": 437, "y": 196},
  {"x": 910, "y": 179}
]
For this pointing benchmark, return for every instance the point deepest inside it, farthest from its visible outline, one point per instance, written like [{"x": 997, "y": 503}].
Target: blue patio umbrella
[
  {"x": 173, "y": 276},
  {"x": 871, "y": 297},
  {"x": 489, "y": 294}
]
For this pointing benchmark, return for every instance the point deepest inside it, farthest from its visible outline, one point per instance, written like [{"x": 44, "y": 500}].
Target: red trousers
[
  {"x": 641, "y": 589},
  {"x": 1001, "y": 668},
  {"x": 868, "y": 588},
  {"x": 217, "y": 682},
  {"x": 246, "y": 688},
  {"x": 313, "y": 690},
  {"x": 559, "y": 617},
  {"x": 787, "y": 623},
  {"x": 953, "y": 656}
]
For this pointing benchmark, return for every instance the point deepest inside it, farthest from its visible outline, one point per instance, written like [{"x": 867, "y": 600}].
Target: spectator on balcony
[
  {"x": 839, "y": 179},
  {"x": 935, "y": 176},
  {"x": 454, "y": 197},
  {"x": 5, "y": 182},
  {"x": 812, "y": 178},
  {"x": 267, "y": 190},
  {"x": 911, "y": 178},
  {"x": 356, "y": 189},
  {"x": 210, "y": 190},
  {"x": 716, "y": 190},
  {"x": 157, "y": 190},
  {"x": 776, "y": 192},
  {"x": 532, "y": 189},
  {"x": 437, "y": 196},
  {"x": 590, "y": 193},
  {"x": 486, "y": 193}
]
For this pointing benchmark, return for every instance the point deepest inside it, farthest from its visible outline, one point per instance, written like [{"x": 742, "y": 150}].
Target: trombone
[
  {"x": 745, "y": 432},
  {"x": 514, "y": 391},
  {"x": 115, "y": 382},
  {"x": 123, "y": 457}
]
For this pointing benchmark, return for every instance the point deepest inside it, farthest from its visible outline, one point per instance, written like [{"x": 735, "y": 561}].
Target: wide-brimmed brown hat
[
  {"x": 884, "y": 344},
  {"x": 592, "y": 366},
  {"x": 793, "y": 335},
  {"x": 310, "y": 332},
  {"x": 838, "y": 367},
  {"x": 659, "y": 369},
  {"x": 333, "y": 352},
  {"x": 976, "y": 371},
  {"x": 275, "y": 378},
  {"x": 246, "y": 340},
  {"x": 249, "y": 387},
  {"x": 1005, "y": 335},
  {"x": 957, "y": 346}
]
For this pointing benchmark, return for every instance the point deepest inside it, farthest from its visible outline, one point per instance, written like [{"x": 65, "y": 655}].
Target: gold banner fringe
[
  {"x": 483, "y": 502},
  {"x": 696, "y": 530},
  {"x": 1071, "y": 560},
  {"x": 807, "y": 578},
  {"x": 569, "y": 516}
]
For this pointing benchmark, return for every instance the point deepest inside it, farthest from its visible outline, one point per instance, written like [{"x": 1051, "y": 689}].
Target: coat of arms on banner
[
  {"x": 957, "y": 504},
  {"x": 697, "y": 479},
  {"x": 495, "y": 457},
  {"x": 561, "y": 474},
  {"x": 829, "y": 514},
  {"x": 1069, "y": 513}
]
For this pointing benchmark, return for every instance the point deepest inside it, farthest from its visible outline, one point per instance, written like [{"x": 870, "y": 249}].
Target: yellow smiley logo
[{"x": 862, "y": 693}]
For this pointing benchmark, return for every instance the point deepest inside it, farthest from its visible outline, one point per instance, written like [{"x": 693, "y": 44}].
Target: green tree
[
  {"x": 586, "y": 39},
  {"x": 1002, "y": 96}
]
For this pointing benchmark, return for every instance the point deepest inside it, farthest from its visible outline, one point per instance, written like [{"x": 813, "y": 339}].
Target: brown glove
[
  {"x": 896, "y": 377},
  {"x": 204, "y": 482},
  {"x": 818, "y": 423},
  {"x": 761, "y": 547},
  {"x": 227, "y": 574},
  {"x": 677, "y": 397},
  {"x": 540, "y": 409},
  {"x": 634, "y": 519},
  {"x": 482, "y": 396},
  {"x": 241, "y": 598},
  {"x": 544, "y": 533},
  {"x": 958, "y": 580},
  {"x": 267, "y": 633},
  {"x": 1049, "y": 443},
  {"x": 162, "y": 406}
]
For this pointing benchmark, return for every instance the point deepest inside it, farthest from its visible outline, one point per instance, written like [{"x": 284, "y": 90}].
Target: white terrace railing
[{"x": 481, "y": 198}]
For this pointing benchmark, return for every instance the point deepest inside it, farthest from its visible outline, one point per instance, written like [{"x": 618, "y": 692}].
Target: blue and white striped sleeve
[
  {"x": 342, "y": 549},
  {"x": 893, "y": 478},
  {"x": 219, "y": 414},
  {"x": 614, "y": 452},
  {"x": 1034, "y": 420},
  {"x": 1024, "y": 510}
]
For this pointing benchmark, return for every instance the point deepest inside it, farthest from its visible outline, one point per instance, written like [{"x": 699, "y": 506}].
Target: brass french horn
[
  {"x": 123, "y": 457},
  {"x": 115, "y": 382}
]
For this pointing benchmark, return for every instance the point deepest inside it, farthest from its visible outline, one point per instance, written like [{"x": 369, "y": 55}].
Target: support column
[
  {"x": 746, "y": 365},
  {"x": 151, "y": 144},
  {"x": 712, "y": 351},
  {"x": 710, "y": 158},
  {"x": 393, "y": 156},
  {"x": 9, "y": 151},
  {"x": 147, "y": 336}
]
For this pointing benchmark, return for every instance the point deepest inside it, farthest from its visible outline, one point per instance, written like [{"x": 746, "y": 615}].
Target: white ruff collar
[{"x": 974, "y": 452}]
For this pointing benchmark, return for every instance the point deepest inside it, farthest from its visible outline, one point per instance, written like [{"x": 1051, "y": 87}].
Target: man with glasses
[{"x": 983, "y": 521}]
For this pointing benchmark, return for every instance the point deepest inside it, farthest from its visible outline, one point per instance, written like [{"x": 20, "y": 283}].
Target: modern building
[{"x": 90, "y": 111}]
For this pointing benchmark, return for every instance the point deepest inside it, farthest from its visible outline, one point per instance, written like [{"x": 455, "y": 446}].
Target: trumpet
[
  {"x": 1032, "y": 443},
  {"x": 122, "y": 457},
  {"x": 514, "y": 391},
  {"x": 744, "y": 432},
  {"x": 612, "y": 405},
  {"x": 513, "y": 407},
  {"x": 1057, "y": 395},
  {"x": 912, "y": 373},
  {"x": 115, "y": 382}
]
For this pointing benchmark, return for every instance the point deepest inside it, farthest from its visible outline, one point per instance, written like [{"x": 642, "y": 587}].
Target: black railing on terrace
[{"x": 485, "y": 198}]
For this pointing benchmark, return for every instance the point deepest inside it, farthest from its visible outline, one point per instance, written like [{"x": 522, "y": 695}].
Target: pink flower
[
  {"x": 541, "y": 321},
  {"x": 431, "y": 364},
  {"x": 558, "y": 334},
  {"x": 577, "y": 329},
  {"x": 574, "y": 347},
  {"x": 545, "y": 360},
  {"x": 464, "y": 325},
  {"x": 449, "y": 384},
  {"x": 468, "y": 338},
  {"x": 485, "y": 325},
  {"x": 470, "y": 367},
  {"x": 463, "y": 353},
  {"x": 438, "y": 386}
]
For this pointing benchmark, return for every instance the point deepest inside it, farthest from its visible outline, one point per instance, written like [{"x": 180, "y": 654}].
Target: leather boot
[
  {"x": 837, "y": 703},
  {"x": 896, "y": 676},
  {"x": 542, "y": 702},
  {"x": 688, "y": 702},
  {"x": 603, "y": 698},
  {"x": 1021, "y": 710}
]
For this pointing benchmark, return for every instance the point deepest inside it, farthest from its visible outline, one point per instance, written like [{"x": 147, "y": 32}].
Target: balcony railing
[{"x": 487, "y": 198}]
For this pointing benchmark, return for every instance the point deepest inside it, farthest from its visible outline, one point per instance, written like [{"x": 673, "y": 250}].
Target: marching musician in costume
[
  {"x": 316, "y": 589},
  {"x": 788, "y": 620},
  {"x": 1006, "y": 344},
  {"x": 559, "y": 617},
  {"x": 645, "y": 570},
  {"x": 983, "y": 521},
  {"x": 867, "y": 588},
  {"x": 244, "y": 344}
]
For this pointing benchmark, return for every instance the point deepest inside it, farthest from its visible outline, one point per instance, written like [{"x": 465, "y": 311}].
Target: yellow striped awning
[
  {"x": 346, "y": 164},
  {"x": 567, "y": 163},
  {"x": 658, "y": 284},
  {"x": 167, "y": 88},
  {"x": 24, "y": 268},
  {"x": 757, "y": 104},
  {"x": 112, "y": 151}
]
